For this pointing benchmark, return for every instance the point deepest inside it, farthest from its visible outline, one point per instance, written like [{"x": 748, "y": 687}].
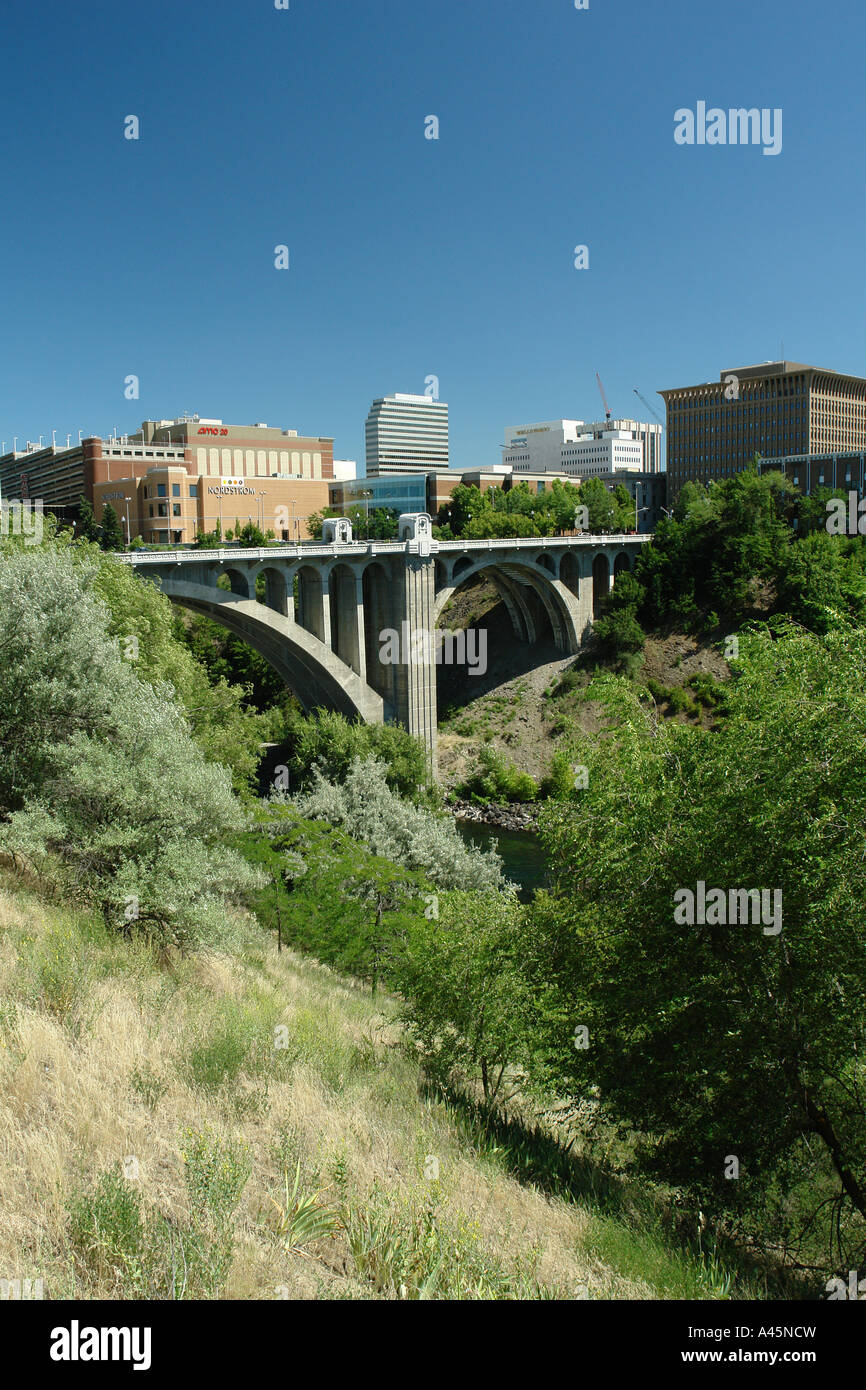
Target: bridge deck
[{"x": 313, "y": 550}]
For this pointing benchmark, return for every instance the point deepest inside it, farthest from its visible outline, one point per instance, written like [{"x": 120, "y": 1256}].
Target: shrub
[
  {"x": 559, "y": 781},
  {"x": 108, "y": 1238},
  {"x": 368, "y": 810},
  {"x": 327, "y": 743},
  {"x": 99, "y": 770},
  {"x": 619, "y": 633},
  {"x": 494, "y": 780},
  {"x": 680, "y": 701}
]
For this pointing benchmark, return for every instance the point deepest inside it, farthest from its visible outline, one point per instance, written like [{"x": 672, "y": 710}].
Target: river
[{"x": 521, "y": 851}]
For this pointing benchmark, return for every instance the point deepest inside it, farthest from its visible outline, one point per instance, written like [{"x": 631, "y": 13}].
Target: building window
[
  {"x": 193, "y": 489},
  {"x": 160, "y": 492},
  {"x": 175, "y": 489},
  {"x": 162, "y": 509},
  {"x": 151, "y": 509},
  {"x": 175, "y": 509}
]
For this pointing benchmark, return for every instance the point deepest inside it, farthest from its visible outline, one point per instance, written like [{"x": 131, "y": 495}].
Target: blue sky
[{"x": 412, "y": 257}]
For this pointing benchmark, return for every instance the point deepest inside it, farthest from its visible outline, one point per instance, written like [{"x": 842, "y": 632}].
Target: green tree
[
  {"x": 822, "y": 581},
  {"x": 87, "y": 527},
  {"x": 209, "y": 540},
  {"x": 564, "y": 502},
  {"x": 250, "y": 534},
  {"x": 720, "y": 553},
  {"x": 328, "y": 742},
  {"x": 466, "y": 1000},
  {"x": 618, "y": 631},
  {"x": 463, "y": 504},
  {"x": 624, "y": 519},
  {"x": 713, "y": 1040},
  {"x": 600, "y": 505},
  {"x": 111, "y": 537}
]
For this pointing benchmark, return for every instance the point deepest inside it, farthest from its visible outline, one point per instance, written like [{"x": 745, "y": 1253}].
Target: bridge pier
[{"x": 415, "y": 680}]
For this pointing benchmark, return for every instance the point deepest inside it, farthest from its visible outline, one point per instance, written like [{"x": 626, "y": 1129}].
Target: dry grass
[{"x": 104, "y": 1057}]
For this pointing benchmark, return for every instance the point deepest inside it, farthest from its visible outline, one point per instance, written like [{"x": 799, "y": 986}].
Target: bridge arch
[
  {"x": 316, "y": 675},
  {"x": 569, "y": 572},
  {"x": 312, "y": 613},
  {"x": 600, "y": 582},
  {"x": 278, "y": 588},
  {"x": 239, "y": 581},
  {"x": 345, "y": 602},
  {"x": 510, "y": 575}
]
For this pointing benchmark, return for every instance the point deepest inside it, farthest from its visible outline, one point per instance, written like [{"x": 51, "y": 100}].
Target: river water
[{"x": 521, "y": 851}]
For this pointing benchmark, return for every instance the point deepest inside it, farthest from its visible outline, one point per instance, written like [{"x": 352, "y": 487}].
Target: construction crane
[
  {"x": 652, "y": 412},
  {"x": 603, "y": 397}
]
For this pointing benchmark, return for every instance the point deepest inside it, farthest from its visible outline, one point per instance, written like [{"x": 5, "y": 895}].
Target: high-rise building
[
  {"x": 775, "y": 409},
  {"x": 406, "y": 434},
  {"x": 581, "y": 450}
]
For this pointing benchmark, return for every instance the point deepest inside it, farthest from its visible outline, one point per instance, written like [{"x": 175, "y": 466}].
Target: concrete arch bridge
[{"x": 324, "y": 607}]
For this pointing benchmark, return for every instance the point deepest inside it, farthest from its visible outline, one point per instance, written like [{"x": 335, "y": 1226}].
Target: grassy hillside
[{"x": 242, "y": 1125}]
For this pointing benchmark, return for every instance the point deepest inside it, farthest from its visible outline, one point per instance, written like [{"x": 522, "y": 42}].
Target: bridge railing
[
  {"x": 543, "y": 542},
  {"x": 313, "y": 551}
]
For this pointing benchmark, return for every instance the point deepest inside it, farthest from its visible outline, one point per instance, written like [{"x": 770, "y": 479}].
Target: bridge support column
[
  {"x": 415, "y": 683},
  {"x": 346, "y": 592},
  {"x": 360, "y": 630},
  {"x": 325, "y": 612}
]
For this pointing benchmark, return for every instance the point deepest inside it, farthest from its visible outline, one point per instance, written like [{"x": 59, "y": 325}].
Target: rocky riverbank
[{"x": 512, "y": 816}]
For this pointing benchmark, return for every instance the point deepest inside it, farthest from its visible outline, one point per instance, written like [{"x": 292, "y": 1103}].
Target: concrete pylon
[{"x": 415, "y": 683}]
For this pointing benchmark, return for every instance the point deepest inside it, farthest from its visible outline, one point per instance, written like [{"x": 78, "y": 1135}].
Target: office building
[
  {"x": 776, "y": 410},
  {"x": 170, "y": 505},
  {"x": 406, "y": 434},
  {"x": 60, "y": 475},
  {"x": 580, "y": 450}
]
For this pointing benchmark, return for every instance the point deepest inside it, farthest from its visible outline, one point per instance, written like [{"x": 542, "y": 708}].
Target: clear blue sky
[{"x": 411, "y": 256}]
